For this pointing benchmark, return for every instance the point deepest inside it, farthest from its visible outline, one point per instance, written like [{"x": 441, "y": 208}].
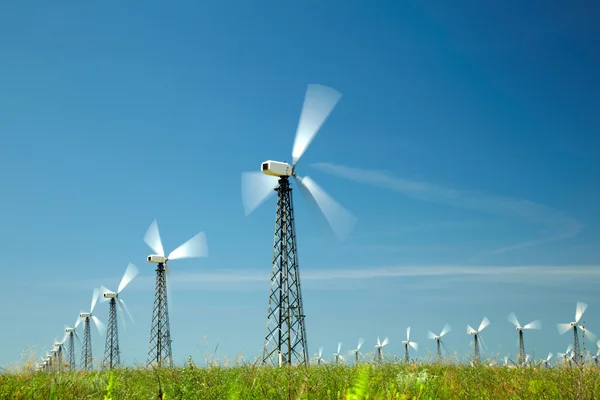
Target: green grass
[{"x": 384, "y": 381}]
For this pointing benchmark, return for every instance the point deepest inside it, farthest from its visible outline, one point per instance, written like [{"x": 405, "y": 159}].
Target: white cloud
[
  {"x": 558, "y": 224},
  {"x": 557, "y": 276}
]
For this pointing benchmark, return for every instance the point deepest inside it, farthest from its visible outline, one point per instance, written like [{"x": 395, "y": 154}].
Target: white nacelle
[
  {"x": 69, "y": 330},
  {"x": 276, "y": 168},
  {"x": 573, "y": 324},
  {"x": 154, "y": 258},
  {"x": 85, "y": 315},
  {"x": 110, "y": 295}
]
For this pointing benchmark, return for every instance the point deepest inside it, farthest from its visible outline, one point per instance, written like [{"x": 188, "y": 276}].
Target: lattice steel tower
[
  {"x": 112, "y": 354},
  {"x": 160, "y": 334},
  {"x": 86, "y": 349},
  {"x": 285, "y": 341},
  {"x": 71, "y": 348}
]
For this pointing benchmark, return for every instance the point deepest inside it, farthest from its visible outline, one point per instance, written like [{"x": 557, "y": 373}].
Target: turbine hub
[
  {"x": 69, "y": 330},
  {"x": 110, "y": 295},
  {"x": 85, "y": 315}
]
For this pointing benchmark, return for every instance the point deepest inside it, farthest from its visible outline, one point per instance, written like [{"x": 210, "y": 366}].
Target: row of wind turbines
[
  {"x": 572, "y": 355},
  {"x": 62, "y": 353}
]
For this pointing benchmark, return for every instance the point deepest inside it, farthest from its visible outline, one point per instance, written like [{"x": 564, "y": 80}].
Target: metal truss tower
[
  {"x": 476, "y": 341},
  {"x": 285, "y": 340},
  {"x": 86, "y": 350},
  {"x": 521, "y": 358},
  {"x": 112, "y": 355},
  {"x": 438, "y": 354},
  {"x": 160, "y": 333},
  {"x": 577, "y": 356},
  {"x": 71, "y": 351}
]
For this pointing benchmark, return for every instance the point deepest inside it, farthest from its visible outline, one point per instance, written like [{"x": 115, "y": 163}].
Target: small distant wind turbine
[
  {"x": 532, "y": 325},
  {"x": 438, "y": 339},
  {"x": 338, "y": 355},
  {"x": 379, "y": 347},
  {"x": 566, "y": 356},
  {"x": 545, "y": 361},
  {"x": 407, "y": 343},
  {"x": 470, "y": 331},
  {"x": 357, "y": 350},
  {"x": 320, "y": 356}
]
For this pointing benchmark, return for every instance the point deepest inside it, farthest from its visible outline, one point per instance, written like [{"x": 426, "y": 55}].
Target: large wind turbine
[
  {"x": 112, "y": 352},
  {"x": 285, "y": 315},
  {"x": 160, "y": 331},
  {"x": 512, "y": 318},
  {"x": 86, "y": 350}
]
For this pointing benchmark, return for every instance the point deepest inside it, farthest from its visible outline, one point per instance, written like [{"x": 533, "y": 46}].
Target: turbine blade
[
  {"x": 581, "y": 307},
  {"x": 537, "y": 324},
  {"x": 430, "y": 335},
  {"x": 339, "y": 347},
  {"x": 385, "y": 341},
  {"x": 194, "y": 248},
  {"x": 414, "y": 345},
  {"x": 563, "y": 328},
  {"x": 130, "y": 273},
  {"x": 103, "y": 289},
  {"x": 152, "y": 239},
  {"x": 549, "y": 356},
  {"x": 512, "y": 318},
  {"x": 447, "y": 328},
  {"x": 342, "y": 222},
  {"x": 408, "y": 334},
  {"x": 484, "y": 323},
  {"x": 256, "y": 188},
  {"x": 319, "y": 101},
  {"x": 470, "y": 330},
  {"x": 378, "y": 342},
  {"x": 126, "y": 310},
  {"x": 120, "y": 314},
  {"x": 482, "y": 342},
  {"x": 77, "y": 322},
  {"x": 320, "y": 351},
  {"x": 360, "y": 343},
  {"x": 95, "y": 296},
  {"x": 588, "y": 334},
  {"x": 99, "y": 325}
]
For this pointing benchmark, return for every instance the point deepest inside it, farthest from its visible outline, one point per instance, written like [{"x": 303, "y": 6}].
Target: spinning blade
[
  {"x": 318, "y": 104},
  {"x": 340, "y": 220},
  {"x": 256, "y": 188},
  {"x": 130, "y": 273},
  {"x": 193, "y": 248},
  {"x": 152, "y": 239}
]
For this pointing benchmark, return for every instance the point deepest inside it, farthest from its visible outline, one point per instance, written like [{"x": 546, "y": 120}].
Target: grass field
[{"x": 368, "y": 381}]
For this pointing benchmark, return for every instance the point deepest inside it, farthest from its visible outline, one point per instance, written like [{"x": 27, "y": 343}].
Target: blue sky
[{"x": 465, "y": 143}]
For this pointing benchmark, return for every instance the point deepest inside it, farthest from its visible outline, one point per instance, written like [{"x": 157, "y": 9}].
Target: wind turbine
[
  {"x": 112, "y": 353},
  {"x": 357, "y": 350},
  {"x": 338, "y": 355},
  {"x": 407, "y": 343},
  {"x": 566, "y": 356},
  {"x": 379, "y": 347},
  {"x": 545, "y": 361},
  {"x": 470, "y": 331},
  {"x": 563, "y": 328},
  {"x": 532, "y": 325},
  {"x": 285, "y": 314},
  {"x": 320, "y": 356},
  {"x": 71, "y": 333},
  {"x": 86, "y": 350},
  {"x": 160, "y": 332},
  {"x": 438, "y": 339}
]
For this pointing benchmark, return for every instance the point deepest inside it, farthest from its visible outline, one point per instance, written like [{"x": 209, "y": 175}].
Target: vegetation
[{"x": 368, "y": 381}]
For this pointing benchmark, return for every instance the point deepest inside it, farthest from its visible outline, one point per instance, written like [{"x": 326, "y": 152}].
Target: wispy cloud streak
[
  {"x": 561, "y": 225},
  {"x": 528, "y": 274}
]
